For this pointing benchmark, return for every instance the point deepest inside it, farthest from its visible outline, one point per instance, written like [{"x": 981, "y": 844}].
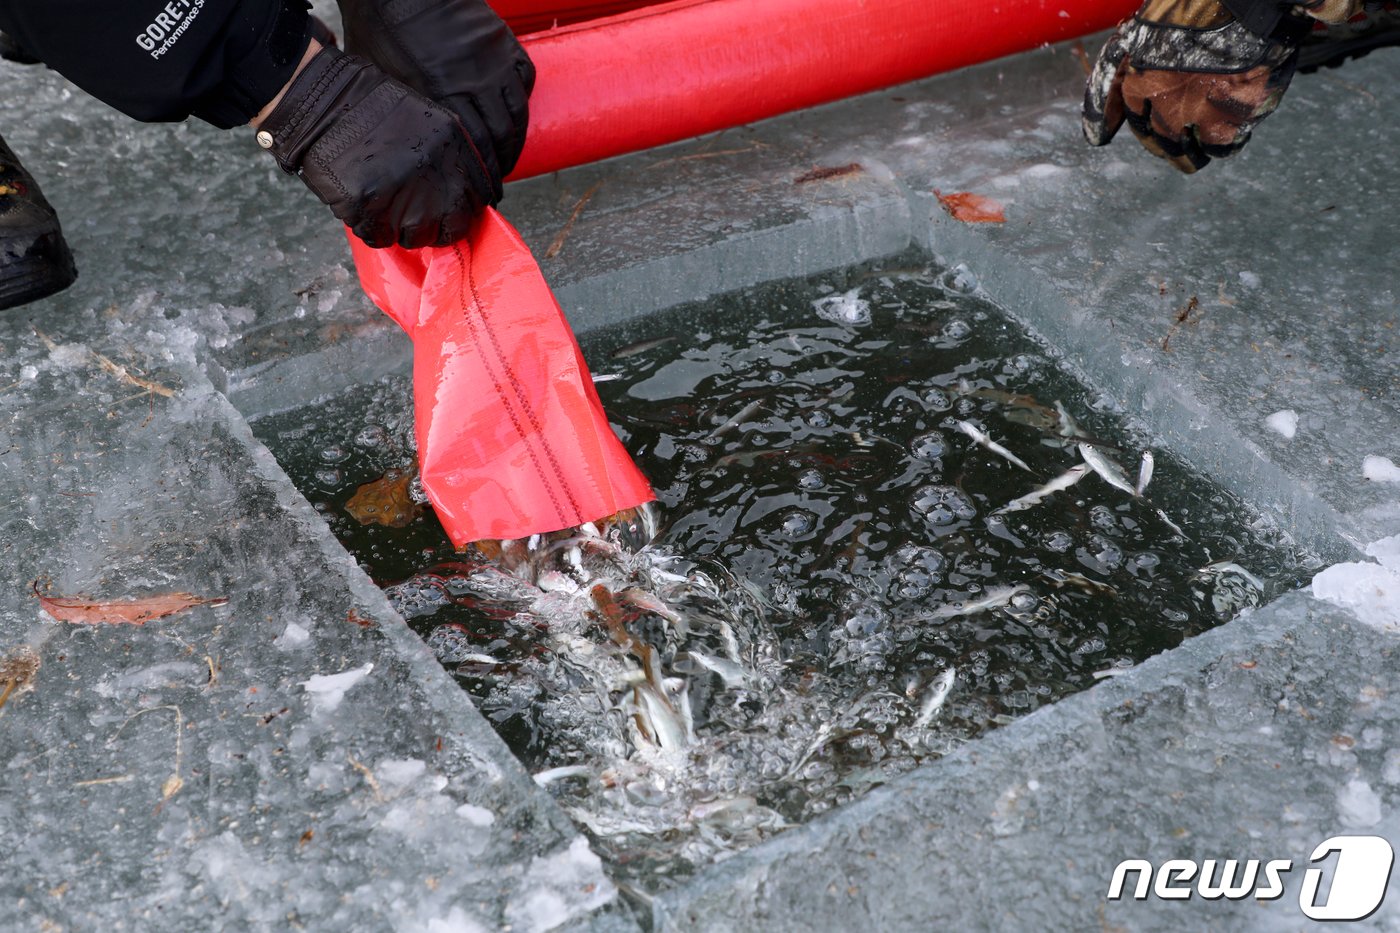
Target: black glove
[
  {"x": 394, "y": 166},
  {"x": 458, "y": 53}
]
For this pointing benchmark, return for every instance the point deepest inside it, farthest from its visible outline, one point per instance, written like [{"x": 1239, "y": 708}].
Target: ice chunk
[
  {"x": 69, "y": 355},
  {"x": 1380, "y": 469},
  {"x": 1283, "y": 422},
  {"x": 560, "y": 887},
  {"x": 327, "y": 690},
  {"x": 476, "y": 816},
  {"x": 1358, "y": 806},
  {"x": 401, "y": 771},
  {"x": 1387, "y": 551},
  {"x": 1372, "y": 591},
  {"x": 293, "y": 636},
  {"x": 456, "y": 921}
]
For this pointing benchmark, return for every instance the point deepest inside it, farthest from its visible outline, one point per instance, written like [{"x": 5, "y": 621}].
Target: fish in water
[
  {"x": 1145, "y": 472},
  {"x": 641, "y": 346},
  {"x": 1230, "y": 567},
  {"x": 937, "y": 696},
  {"x": 740, "y": 419},
  {"x": 1062, "y": 482},
  {"x": 693, "y": 662},
  {"x": 656, "y": 719},
  {"x": 1110, "y": 472},
  {"x": 550, "y": 775},
  {"x": 1062, "y": 578},
  {"x": 982, "y": 439},
  {"x": 994, "y": 598}
]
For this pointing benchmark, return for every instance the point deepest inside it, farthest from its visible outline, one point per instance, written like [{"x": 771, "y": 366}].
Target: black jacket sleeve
[{"x": 165, "y": 60}]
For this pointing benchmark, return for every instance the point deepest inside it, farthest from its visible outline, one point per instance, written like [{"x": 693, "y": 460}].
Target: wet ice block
[{"x": 512, "y": 439}]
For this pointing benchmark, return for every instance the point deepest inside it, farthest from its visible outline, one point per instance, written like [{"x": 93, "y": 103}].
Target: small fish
[
  {"x": 550, "y": 775},
  {"x": 1115, "y": 671},
  {"x": 656, "y": 718},
  {"x": 1068, "y": 426},
  {"x": 1044, "y": 415},
  {"x": 1062, "y": 482},
  {"x": 606, "y": 377},
  {"x": 641, "y": 346},
  {"x": 994, "y": 598},
  {"x": 1170, "y": 524},
  {"x": 612, "y": 616},
  {"x": 711, "y": 808},
  {"x": 937, "y": 696},
  {"x": 982, "y": 439},
  {"x": 1111, "y": 472},
  {"x": 649, "y": 602},
  {"x": 476, "y": 659},
  {"x": 733, "y": 675},
  {"x": 1062, "y": 578},
  {"x": 1145, "y": 472},
  {"x": 743, "y": 416},
  {"x": 750, "y": 458},
  {"x": 1229, "y": 566}
]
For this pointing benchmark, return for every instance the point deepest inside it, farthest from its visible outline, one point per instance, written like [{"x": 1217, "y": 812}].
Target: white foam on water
[{"x": 846, "y": 308}]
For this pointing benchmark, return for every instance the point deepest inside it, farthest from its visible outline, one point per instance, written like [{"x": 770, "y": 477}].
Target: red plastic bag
[{"x": 512, "y": 439}]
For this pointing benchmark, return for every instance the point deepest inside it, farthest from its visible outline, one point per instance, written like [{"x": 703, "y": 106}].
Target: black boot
[{"x": 34, "y": 259}]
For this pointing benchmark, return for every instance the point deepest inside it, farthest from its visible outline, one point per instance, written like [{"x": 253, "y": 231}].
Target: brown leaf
[
  {"x": 971, "y": 208},
  {"x": 385, "y": 501},
  {"x": 828, "y": 172},
  {"x": 120, "y": 611}
]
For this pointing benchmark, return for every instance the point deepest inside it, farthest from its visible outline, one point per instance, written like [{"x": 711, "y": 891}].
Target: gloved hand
[
  {"x": 393, "y": 166},
  {"x": 458, "y": 53},
  {"x": 1192, "y": 81}
]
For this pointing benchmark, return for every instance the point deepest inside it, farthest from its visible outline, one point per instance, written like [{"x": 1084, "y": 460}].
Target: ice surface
[
  {"x": 456, "y": 921},
  {"x": 1284, "y": 423},
  {"x": 182, "y": 223},
  {"x": 1358, "y": 805}
]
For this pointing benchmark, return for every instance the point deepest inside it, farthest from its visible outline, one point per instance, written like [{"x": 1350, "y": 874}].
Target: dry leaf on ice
[
  {"x": 139, "y": 611},
  {"x": 971, "y": 208}
]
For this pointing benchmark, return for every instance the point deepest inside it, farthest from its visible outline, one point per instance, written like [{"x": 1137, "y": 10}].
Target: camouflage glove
[{"x": 1192, "y": 81}]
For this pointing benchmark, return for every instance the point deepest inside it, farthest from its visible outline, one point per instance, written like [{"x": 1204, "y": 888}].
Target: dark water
[{"x": 828, "y": 532}]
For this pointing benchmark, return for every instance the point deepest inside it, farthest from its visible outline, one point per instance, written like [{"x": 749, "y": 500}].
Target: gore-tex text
[{"x": 168, "y": 26}]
